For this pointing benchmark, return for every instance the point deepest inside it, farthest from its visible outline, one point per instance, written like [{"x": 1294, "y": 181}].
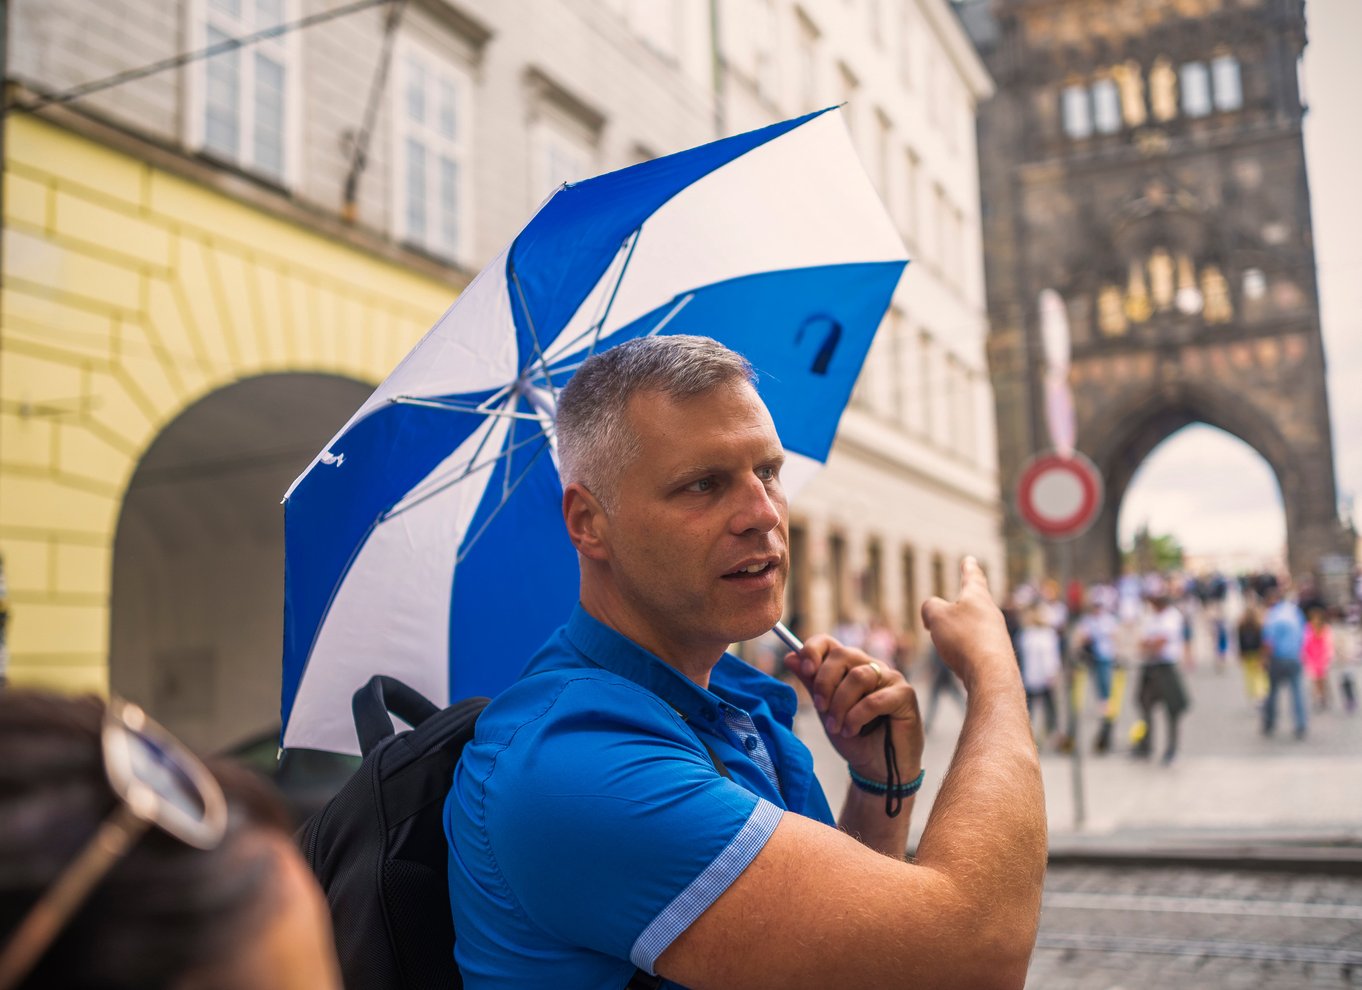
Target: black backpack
[{"x": 378, "y": 847}]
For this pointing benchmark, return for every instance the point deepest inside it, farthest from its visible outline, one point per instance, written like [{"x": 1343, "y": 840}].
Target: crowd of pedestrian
[{"x": 1100, "y": 648}]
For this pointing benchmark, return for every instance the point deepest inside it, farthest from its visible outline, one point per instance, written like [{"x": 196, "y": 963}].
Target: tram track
[
  {"x": 1115, "y": 927},
  {"x": 1202, "y": 948}
]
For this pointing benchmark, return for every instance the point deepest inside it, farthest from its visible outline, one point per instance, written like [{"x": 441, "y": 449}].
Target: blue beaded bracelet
[{"x": 880, "y": 789}]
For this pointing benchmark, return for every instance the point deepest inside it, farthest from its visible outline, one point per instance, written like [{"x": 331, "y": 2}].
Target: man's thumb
[{"x": 930, "y": 608}]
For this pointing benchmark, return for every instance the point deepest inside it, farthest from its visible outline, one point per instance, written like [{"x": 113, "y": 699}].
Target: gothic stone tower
[{"x": 1144, "y": 159}]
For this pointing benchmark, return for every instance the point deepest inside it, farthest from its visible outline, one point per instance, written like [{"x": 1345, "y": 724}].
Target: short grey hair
[{"x": 595, "y": 441}]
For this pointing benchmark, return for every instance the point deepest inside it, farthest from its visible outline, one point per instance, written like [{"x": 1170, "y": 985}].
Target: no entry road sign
[{"x": 1058, "y": 496}]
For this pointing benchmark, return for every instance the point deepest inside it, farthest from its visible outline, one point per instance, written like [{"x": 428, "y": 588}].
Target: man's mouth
[{"x": 751, "y": 570}]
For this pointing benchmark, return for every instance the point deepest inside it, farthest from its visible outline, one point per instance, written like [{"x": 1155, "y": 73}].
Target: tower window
[
  {"x": 1229, "y": 93},
  {"x": 1077, "y": 113},
  {"x": 1106, "y": 106},
  {"x": 1196, "y": 89}
]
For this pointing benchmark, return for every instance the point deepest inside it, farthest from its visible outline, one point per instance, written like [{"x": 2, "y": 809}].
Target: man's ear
[{"x": 586, "y": 521}]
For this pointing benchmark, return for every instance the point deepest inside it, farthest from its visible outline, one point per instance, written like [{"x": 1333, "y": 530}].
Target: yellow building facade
[{"x": 131, "y": 295}]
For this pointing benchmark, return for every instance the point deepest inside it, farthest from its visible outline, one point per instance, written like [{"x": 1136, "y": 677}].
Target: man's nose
[{"x": 761, "y": 506}]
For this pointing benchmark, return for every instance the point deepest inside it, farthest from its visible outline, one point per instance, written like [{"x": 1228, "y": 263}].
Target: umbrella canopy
[{"x": 426, "y": 540}]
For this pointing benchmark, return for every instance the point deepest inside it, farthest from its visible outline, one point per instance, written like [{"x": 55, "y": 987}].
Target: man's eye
[
  {"x": 701, "y": 485},
  {"x": 768, "y": 473}
]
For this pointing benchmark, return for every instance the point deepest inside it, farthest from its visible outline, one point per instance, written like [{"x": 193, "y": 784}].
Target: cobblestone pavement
[{"x": 1111, "y": 928}]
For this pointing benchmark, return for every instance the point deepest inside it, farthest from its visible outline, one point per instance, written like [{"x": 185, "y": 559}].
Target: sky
[{"x": 1210, "y": 490}]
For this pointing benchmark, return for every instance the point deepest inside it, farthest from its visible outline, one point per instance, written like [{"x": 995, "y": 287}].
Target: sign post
[{"x": 1059, "y": 495}]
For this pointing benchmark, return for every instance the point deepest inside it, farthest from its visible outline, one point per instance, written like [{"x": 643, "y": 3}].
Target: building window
[
  {"x": 906, "y": 30},
  {"x": 1077, "y": 115},
  {"x": 797, "y": 587},
  {"x": 884, "y": 131},
  {"x": 911, "y": 214},
  {"x": 1163, "y": 90},
  {"x": 872, "y": 578},
  {"x": 837, "y": 569},
  {"x": 1229, "y": 93},
  {"x": 933, "y": 87},
  {"x": 1106, "y": 106},
  {"x": 848, "y": 86},
  {"x": 875, "y": 19},
  {"x": 943, "y": 252},
  {"x": 898, "y": 365},
  {"x": 1195, "y": 83},
  {"x": 926, "y": 372},
  {"x": 1130, "y": 85},
  {"x": 806, "y": 64},
  {"x": 432, "y": 140},
  {"x": 559, "y": 155},
  {"x": 910, "y": 607},
  {"x": 244, "y": 105}
]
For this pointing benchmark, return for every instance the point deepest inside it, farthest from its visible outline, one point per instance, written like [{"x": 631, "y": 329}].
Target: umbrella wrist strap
[{"x": 894, "y": 790}]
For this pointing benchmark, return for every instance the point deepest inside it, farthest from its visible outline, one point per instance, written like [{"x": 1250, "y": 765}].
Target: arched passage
[
  {"x": 1125, "y": 434},
  {"x": 197, "y": 590},
  {"x": 1215, "y": 495}
]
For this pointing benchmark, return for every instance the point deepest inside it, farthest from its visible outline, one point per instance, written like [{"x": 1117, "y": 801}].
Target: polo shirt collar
[{"x": 620, "y": 655}]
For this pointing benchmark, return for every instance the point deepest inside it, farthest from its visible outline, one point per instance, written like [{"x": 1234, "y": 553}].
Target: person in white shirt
[
  {"x": 1040, "y": 663},
  {"x": 1161, "y": 646}
]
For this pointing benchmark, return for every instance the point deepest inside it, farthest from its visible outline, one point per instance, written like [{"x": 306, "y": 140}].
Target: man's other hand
[{"x": 849, "y": 691}]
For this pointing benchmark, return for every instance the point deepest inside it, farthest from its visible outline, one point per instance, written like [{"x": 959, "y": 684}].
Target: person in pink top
[{"x": 1317, "y": 653}]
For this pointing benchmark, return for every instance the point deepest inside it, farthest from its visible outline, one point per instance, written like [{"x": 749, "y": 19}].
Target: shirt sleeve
[{"x": 611, "y": 826}]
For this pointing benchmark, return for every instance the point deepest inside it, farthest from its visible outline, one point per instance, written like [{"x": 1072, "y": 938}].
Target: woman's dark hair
[{"x": 164, "y": 911}]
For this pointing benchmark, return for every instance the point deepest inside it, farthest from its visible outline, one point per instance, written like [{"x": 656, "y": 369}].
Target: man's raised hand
[{"x": 970, "y": 633}]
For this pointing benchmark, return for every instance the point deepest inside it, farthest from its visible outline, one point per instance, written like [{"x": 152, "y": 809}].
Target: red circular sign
[{"x": 1059, "y": 497}]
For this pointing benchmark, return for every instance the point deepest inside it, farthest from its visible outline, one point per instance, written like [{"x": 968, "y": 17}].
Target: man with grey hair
[{"x": 635, "y": 810}]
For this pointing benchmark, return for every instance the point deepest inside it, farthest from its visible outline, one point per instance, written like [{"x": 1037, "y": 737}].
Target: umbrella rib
[
  {"x": 469, "y": 467},
  {"x": 597, "y": 325},
  {"x": 610, "y": 304},
  {"x": 468, "y": 544},
  {"x": 529, "y": 321},
  {"x": 411, "y": 400},
  {"x": 671, "y": 314},
  {"x": 681, "y": 304}
]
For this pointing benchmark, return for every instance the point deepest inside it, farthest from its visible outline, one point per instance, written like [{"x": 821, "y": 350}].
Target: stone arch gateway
[{"x": 1120, "y": 436}]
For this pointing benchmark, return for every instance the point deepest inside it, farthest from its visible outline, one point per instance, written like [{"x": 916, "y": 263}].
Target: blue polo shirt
[{"x": 587, "y": 825}]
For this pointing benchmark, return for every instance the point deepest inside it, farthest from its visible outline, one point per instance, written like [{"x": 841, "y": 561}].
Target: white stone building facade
[{"x": 228, "y": 185}]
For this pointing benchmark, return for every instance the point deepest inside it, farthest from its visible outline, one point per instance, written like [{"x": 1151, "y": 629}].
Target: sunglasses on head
[{"x": 157, "y": 782}]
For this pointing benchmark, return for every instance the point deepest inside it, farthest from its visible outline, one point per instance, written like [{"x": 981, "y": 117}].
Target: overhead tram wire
[{"x": 185, "y": 58}]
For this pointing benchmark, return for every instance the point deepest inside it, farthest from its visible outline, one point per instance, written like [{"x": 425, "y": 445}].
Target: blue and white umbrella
[{"x": 426, "y": 540}]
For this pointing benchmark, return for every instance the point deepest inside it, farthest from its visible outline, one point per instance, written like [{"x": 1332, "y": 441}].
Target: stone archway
[
  {"x": 196, "y": 616},
  {"x": 1123, "y": 435},
  {"x": 1213, "y": 496}
]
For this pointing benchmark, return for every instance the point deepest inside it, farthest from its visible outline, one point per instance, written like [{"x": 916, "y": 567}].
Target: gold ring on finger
[{"x": 879, "y": 673}]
